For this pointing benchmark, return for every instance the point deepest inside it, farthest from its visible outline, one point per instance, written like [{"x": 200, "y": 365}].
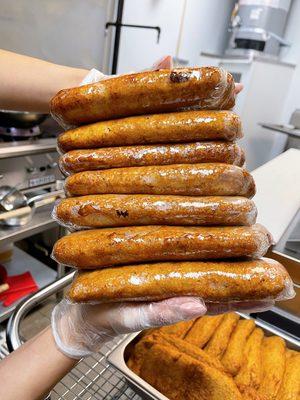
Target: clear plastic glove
[
  {"x": 81, "y": 329},
  {"x": 95, "y": 76}
]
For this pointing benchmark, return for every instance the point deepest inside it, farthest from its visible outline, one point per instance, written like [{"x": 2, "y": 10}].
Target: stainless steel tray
[{"x": 119, "y": 355}]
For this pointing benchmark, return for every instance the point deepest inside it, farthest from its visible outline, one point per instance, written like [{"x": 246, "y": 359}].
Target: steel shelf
[
  {"x": 40, "y": 222},
  {"x": 21, "y": 262},
  {"x": 26, "y": 147}
]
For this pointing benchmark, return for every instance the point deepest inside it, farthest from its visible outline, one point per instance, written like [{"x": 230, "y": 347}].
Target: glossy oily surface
[
  {"x": 184, "y": 126},
  {"x": 145, "y": 93},
  {"x": 96, "y": 211},
  {"x": 131, "y": 156},
  {"x": 113, "y": 246},
  {"x": 213, "y": 179},
  {"x": 212, "y": 281}
]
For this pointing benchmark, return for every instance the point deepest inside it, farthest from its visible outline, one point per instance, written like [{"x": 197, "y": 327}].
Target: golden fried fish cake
[
  {"x": 219, "y": 340},
  {"x": 249, "y": 376},
  {"x": 273, "y": 366},
  {"x": 233, "y": 356},
  {"x": 203, "y": 329}
]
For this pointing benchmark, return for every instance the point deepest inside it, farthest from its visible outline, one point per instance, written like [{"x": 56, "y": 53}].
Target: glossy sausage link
[
  {"x": 135, "y": 156},
  {"x": 145, "y": 93},
  {"x": 185, "y": 126},
  {"x": 212, "y": 281},
  {"x": 115, "y": 246},
  {"x": 213, "y": 179},
  {"x": 97, "y": 211}
]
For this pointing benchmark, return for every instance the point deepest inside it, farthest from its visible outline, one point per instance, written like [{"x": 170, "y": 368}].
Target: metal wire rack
[{"x": 92, "y": 378}]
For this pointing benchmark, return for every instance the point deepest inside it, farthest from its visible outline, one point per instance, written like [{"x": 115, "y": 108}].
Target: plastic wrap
[
  {"x": 134, "y": 156},
  {"x": 178, "y": 179},
  {"x": 145, "y": 92},
  {"x": 187, "y": 126},
  {"x": 116, "y": 246},
  {"x": 97, "y": 211},
  {"x": 222, "y": 281},
  {"x": 81, "y": 329}
]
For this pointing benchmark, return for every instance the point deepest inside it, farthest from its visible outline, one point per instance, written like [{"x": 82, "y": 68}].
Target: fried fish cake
[
  {"x": 249, "y": 376},
  {"x": 273, "y": 366},
  {"x": 233, "y": 356},
  {"x": 203, "y": 329},
  {"x": 219, "y": 340}
]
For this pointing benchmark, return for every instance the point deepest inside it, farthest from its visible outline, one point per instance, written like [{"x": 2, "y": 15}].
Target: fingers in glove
[
  {"x": 133, "y": 317},
  {"x": 238, "y": 88},
  {"x": 242, "y": 306},
  {"x": 165, "y": 62}
]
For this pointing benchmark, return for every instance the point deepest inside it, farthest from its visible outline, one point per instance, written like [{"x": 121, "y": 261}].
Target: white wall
[
  {"x": 139, "y": 47},
  {"x": 204, "y": 26},
  {"x": 69, "y": 32},
  {"x": 292, "y": 55}
]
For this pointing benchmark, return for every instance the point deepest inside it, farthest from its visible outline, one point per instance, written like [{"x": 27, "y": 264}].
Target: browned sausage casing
[
  {"x": 115, "y": 246},
  {"x": 165, "y": 154},
  {"x": 213, "y": 179},
  {"x": 221, "y": 281},
  {"x": 145, "y": 93},
  {"x": 185, "y": 126},
  {"x": 99, "y": 211}
]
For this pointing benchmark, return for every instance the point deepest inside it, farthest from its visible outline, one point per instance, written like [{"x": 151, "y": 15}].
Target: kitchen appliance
[
  {"x": 19, "y": 125},
  {"x": 257, "y": 26},
  {"x": 29, "y": 166}
]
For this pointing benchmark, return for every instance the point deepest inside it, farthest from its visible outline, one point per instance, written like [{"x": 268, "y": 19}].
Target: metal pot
[{"x": 21, "y": 119}]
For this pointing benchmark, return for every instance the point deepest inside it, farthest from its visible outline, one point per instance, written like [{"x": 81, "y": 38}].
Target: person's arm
[
  {"x": 28, "y": 84},
  {"x": 78, "y": 330},
  {"x": 30, "y": 372}
]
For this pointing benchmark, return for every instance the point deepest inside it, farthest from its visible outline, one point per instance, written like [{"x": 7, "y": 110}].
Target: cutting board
[{"x": 278, "y": 192}]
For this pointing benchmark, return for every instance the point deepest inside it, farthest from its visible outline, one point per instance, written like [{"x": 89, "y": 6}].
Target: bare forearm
[
  {"x": 30, "y": 372},
  {"x": 27, "y": 84}
]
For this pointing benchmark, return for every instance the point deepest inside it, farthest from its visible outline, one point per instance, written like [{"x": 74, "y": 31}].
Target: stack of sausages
[{"x": 158, "y": 193}]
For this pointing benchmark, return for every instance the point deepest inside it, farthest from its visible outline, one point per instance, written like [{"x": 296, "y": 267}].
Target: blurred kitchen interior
[{"x": 256, "y": 40}]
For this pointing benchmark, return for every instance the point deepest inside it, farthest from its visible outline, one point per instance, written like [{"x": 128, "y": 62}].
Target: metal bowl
[{"x": 11, "y": 198}]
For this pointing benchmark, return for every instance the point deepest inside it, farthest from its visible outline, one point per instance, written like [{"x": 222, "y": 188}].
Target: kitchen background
[{"x": 256, "y": 40}]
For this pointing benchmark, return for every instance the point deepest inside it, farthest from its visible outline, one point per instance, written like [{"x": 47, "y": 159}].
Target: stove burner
[{"x": 15, "y": 134}]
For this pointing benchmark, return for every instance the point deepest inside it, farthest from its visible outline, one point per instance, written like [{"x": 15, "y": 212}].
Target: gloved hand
[
  {"x": 95, "y": 76},
  {"x": 81, "y": 329}
]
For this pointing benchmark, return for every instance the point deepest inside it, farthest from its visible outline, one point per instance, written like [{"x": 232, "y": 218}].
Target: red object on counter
[{"x": 19, "y": 286}]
